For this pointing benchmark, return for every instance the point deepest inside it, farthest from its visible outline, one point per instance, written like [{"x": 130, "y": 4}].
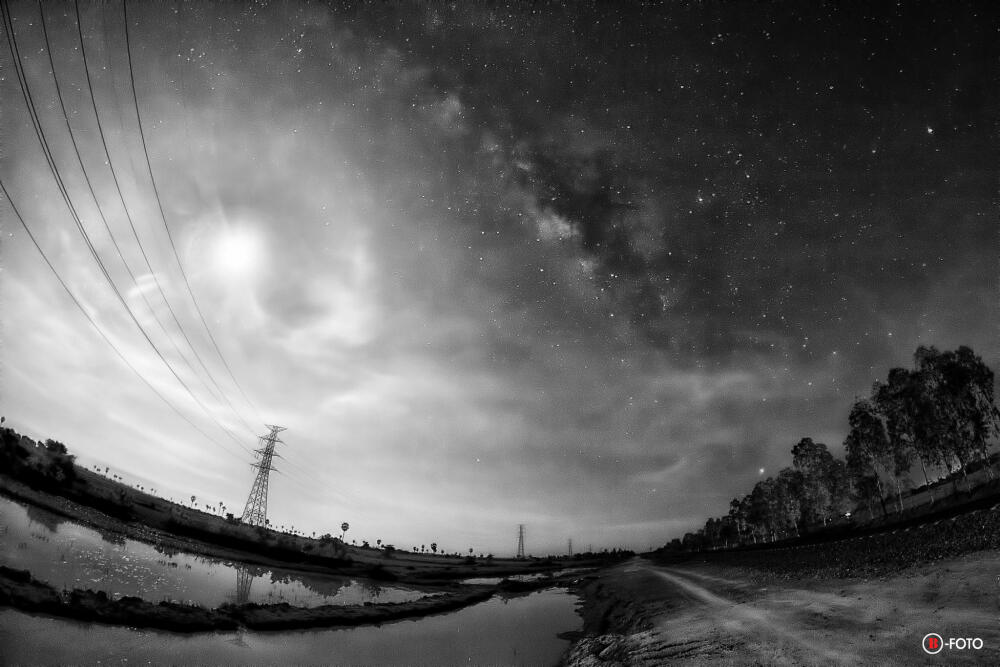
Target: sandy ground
[{"x": 639, "y": 613}]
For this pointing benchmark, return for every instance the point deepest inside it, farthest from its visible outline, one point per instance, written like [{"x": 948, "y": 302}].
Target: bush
[{"x": 55, "y": 447}]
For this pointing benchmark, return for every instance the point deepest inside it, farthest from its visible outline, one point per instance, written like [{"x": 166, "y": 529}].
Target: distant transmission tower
[
  {"x": 520, "y": 540},
  {"x": 255, "y": 512},
  {"x": 569, "y": 546}
]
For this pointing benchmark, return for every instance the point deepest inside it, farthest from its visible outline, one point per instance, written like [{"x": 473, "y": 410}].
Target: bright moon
[{"x": 237, "y": 251}]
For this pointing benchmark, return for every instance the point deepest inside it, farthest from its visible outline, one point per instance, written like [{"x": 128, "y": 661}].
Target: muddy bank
[{"x": 613, "y": 606}]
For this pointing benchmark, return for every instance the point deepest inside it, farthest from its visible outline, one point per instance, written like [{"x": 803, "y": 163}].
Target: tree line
[{"x": 940, "y": 415}]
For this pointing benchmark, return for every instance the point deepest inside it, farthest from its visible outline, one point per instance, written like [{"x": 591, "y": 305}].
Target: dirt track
[{"x": 642, "y": 614}]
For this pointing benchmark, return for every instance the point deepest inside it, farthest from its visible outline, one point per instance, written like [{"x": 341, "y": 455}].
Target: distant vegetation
[
  {"x": 940, "y": 415},
  {"x": 53, "y": 469}
]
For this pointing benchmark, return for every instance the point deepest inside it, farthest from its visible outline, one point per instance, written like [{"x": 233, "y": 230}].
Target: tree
[
  {"x": 936, "y": 419},
  {"x": 959, "y": 388},
  {"x": 787, "y": 500},
  {"x": 728, "y": 532},
  {"x": 713, "y": 532},
  {"x": 55, "y": 447},
  {"x": 759, "y": 510},
  {"x": 868, "y": 449},
  {"x": 434, "y": 547},
  {"x": 343, "y": 529},
  {"x": 866, "y": 490},
  {"x": 737, "y": 514},
  {"x": 901, "y": 401},
  {"x": 841, "y": 488},
  {"x": 813, "y": 461}
]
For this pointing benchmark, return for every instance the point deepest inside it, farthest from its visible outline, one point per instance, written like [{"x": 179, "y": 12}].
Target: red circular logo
[{"x": 933, "y": 643}]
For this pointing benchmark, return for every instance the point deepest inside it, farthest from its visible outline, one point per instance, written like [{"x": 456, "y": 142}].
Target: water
[
  {"x": 491, "y": 581},
  {"x": 535, "y": 576},
  {"x": 519, "y": 631},
  {"x": 67, "y": 555}
]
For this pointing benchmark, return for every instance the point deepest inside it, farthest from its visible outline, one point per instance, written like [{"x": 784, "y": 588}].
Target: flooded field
[
  {"x": 68, "y": 555},
  {"x": 519, "y": 631}
]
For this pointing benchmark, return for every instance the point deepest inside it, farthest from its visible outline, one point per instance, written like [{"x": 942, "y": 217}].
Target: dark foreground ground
[
  {"x": 640, "y": 613},
  {"x": 867, "y": 597}
]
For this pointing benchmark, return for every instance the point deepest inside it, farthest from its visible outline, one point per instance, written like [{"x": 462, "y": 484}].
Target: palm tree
[{"x": 343, "y": 528}]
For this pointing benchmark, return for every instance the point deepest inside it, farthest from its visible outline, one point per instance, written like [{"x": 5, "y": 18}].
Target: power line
[
  {"x": 40, "y": 134},
  {"x": 173, "y": 247},
  {"x": 121, "y": 198},
  {"x": 98, "y": 328},
  {"x": 50, "y": 160},
  {"x": 159, "y": 203},
  {"x": 107, "y": 226}
]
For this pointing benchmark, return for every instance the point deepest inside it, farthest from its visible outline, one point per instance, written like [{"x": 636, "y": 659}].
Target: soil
[{"x": 641, "y": 613}]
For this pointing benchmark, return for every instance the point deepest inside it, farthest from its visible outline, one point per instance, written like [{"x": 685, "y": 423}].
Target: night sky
[{"x": 590, "y": 269}]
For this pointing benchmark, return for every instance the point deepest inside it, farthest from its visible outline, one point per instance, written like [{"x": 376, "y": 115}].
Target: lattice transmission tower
[
  {"x": 255, "y": 512},
  {"x": 520, "y": 540}
]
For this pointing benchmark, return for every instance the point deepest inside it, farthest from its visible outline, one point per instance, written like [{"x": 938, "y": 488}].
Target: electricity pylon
[
  {"x": 255, "y": 512},
  {"x": 520, "y": 540}
]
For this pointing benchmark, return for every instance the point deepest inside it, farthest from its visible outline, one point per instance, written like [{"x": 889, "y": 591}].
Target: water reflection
[
  {"x": 67, "y": 555},
  {"x": 44, "y": 519},
  {"x": 521, "y": 631},
  {"x": 243, "y": 582}
]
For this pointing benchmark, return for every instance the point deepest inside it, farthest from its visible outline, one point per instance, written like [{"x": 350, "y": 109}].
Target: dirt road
[{"x": 642, "y": 614}]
